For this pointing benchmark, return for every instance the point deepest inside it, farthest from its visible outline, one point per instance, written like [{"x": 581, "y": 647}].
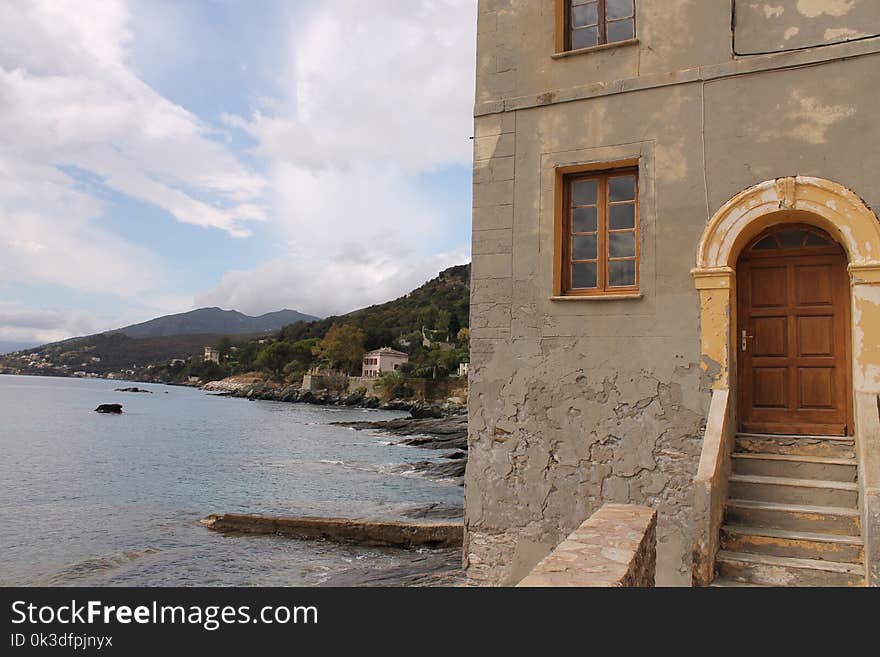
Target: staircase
[{"x": 792, "y": 515}]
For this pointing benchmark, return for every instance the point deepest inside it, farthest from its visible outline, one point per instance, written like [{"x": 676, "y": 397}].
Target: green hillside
[{"x": 442, "y": 305}]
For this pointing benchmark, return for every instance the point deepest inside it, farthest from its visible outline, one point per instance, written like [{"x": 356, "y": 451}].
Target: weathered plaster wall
[
  {"x": 779, "y": 25},
  {"x": 577, "y": 403}
]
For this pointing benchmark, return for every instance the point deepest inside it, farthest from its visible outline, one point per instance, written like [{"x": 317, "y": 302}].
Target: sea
[{"x": 89, "y": 499}]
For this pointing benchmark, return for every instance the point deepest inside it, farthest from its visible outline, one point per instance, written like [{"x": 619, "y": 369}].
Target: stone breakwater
[{"x": 385, "y": 533}]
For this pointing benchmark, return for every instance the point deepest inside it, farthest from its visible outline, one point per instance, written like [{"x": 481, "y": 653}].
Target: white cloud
[
  {"x": 381, "y": 92},
  {"x": 322, "y": 287},
  {"x": 69, "y": 101}
]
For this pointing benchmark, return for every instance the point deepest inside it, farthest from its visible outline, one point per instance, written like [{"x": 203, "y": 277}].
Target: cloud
[
  {"x": 28, "y": 325},
  {"x": 381, "y": 93},
  {"x": 384, "y": 80},
  {"x": 70, "y": 102},
  {"x": 322, "y": 287}
]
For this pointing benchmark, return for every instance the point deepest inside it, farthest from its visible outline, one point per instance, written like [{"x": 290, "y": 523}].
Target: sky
[{"x": 163, "y": 155}]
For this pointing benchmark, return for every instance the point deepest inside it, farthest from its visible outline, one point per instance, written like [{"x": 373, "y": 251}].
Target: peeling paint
[
  {"x": 810, "y": 120},
  {"x": 843, "y": 33},
  {"x": 815, "y": 8}
]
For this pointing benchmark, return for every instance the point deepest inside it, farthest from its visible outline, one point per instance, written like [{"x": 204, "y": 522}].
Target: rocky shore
[
  {"x": 446, "y": 433},
  {"x": 430, "y": 426},
  {"x": 266, "y": 391}
]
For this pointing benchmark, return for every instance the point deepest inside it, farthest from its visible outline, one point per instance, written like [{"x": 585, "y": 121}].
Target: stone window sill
[
  {"x": 604, "y": 46},
  {"x": 597, "y": 297}
]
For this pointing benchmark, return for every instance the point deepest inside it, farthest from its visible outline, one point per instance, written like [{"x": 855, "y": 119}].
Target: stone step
[
  {"x": 794, "y": 517},
  {"x": 795, "y": 467},
  {"x": 796, "y": 445},
  {"x": 794, "y": 491},
  {"x": 786, "y": 571},
  {"x": 787, "y": 543}
]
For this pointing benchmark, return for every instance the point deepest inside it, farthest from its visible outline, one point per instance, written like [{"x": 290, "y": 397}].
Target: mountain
[{"x": 213, "y": 321}]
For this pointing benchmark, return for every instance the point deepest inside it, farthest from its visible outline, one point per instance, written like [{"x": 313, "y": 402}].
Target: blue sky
[{"x": 163, "y": 155}]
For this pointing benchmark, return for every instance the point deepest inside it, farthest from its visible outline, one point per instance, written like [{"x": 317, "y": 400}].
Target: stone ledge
[
  {"x": 364, "y": 532},
  {"x": 615, "y": 547}
]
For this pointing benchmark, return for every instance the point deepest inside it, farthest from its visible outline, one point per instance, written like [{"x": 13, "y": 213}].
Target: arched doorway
[
  {"x": 823, "y": 204},
  {"x": 793, "y": 353},
  {"x": 742, "y": 476}
]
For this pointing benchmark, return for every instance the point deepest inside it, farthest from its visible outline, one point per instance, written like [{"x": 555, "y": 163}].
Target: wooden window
[
  {"x": 591, "y": 23},
  {"x": 598, "y": 233}
]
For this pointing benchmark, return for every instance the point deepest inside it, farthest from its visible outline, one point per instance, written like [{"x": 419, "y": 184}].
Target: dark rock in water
[
  {"x": 451, "y": 470},
  {"x": 432, "y": 433},
  {"x": 109, "y": 408},
  {"x": 150, "y": 392},
  {"x": 424, "y": 411}
]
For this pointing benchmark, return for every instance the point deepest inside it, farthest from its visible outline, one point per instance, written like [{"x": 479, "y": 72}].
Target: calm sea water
[{"x": 91, "y": 499}]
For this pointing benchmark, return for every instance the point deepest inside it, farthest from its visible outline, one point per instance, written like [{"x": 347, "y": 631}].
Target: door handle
[{"x": 745, "y": 339}]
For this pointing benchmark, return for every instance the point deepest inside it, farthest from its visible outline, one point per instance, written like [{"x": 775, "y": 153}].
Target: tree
[
  {"x": 224, "y": 346},
  {"x": 303, "y": 351},
  {"x": 275, "y": 357},
  {"x": 442, "y": 323},
  {"x": 343, "y": 347},
  {"x": 454, "y": 326},
  {"x": 247, "y": 355}
]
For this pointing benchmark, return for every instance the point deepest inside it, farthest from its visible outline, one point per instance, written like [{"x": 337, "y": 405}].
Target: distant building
[
  {"x": 463, "y": 369},
  {"x": 383, "y": 360},
  {"x": 212, "y": 355}
]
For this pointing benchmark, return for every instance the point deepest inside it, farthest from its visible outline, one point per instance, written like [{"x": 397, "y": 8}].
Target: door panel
[
  {"x": 816, "y": 387},
  {"x": 771, "y": 386},
  {"x": 816, "y": 336},
  {"x": 769, "y": 285},
  {"x": 770, "y": 336},
  {"x": 813, "y": 285},
  {"x": 793, "y": 355}
]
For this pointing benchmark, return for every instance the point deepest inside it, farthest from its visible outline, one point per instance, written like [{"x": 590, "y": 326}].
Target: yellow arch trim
[{"x": 836, "y": 209}]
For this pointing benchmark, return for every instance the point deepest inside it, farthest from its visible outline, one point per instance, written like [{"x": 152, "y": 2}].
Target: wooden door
[{"x": 793, "y": 335}]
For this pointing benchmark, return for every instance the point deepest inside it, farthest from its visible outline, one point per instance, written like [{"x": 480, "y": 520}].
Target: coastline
[{"x": 430, "y": 426}]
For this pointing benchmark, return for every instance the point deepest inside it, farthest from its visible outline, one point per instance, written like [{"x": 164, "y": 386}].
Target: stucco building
[
  {"x": 211, "y": 355},
  {"x": 676, "y": 273},
  {"x": 383, "y": 360}
]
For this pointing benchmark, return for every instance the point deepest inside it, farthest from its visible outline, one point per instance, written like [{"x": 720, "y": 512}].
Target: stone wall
[
  {"x": 423, "y": 389},
  {"x": 579, "y": 403},
  {"x": 616, "y": 547}
]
